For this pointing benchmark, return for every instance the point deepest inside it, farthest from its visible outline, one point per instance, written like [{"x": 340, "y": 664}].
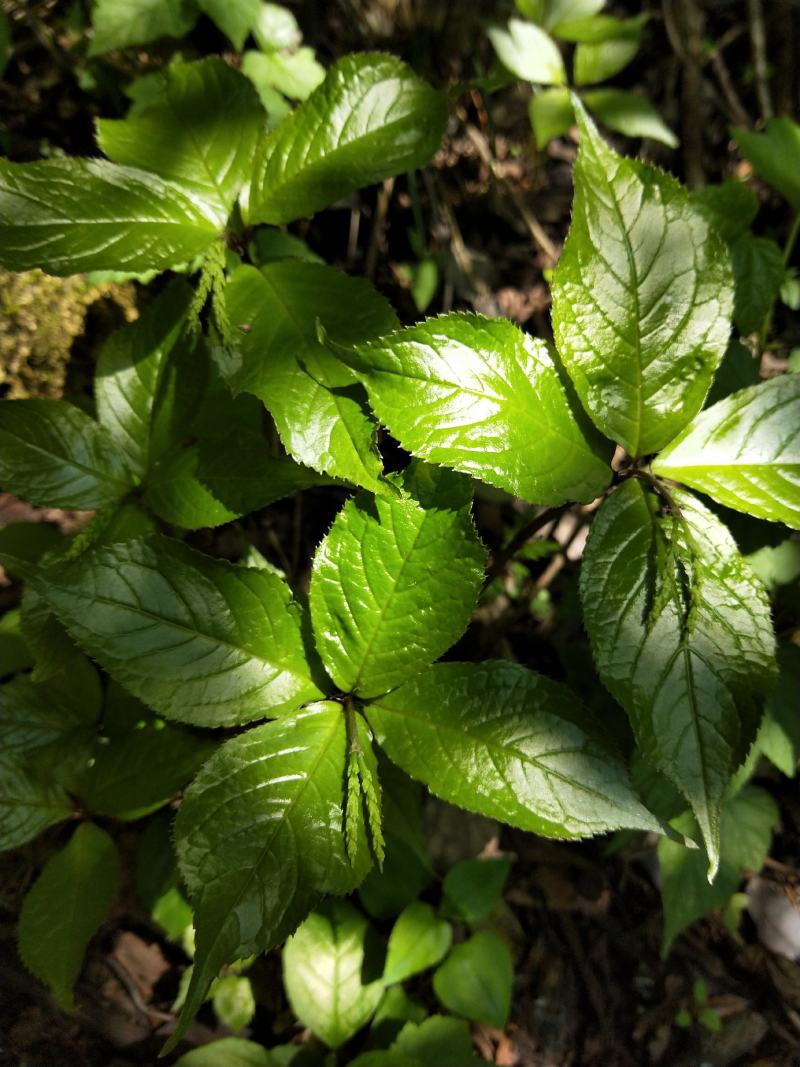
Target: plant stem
[{"x": 521, "y": 537}]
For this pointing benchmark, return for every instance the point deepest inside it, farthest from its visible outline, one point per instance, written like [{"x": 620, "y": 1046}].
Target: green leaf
[
  {"x": 775, "y": 155},
  {"x": 120, "y": 23},
  {"x": 64, "y": 908},
  {"x": 28, "y": 805},
  {"x": 595, "y": 29},
  {"x": 135, "y": 377},
  {"x": 642, "y": 298},
  {"x": 224, "y": 478},
  {"x": 200, "y": 131},
  {"x": 227, "y": 1052},
  {"x": 384, "y": 1058},
  {"x": 69, "y": 216},
  {"x": 598, "y": 62},
  {"x": 630, "y": 114},
  {"x": 418, "y": 941},
  {"x": 315, "y": 400},
  {"x": 233, "y": 1001},
  {"x": 505, "y": 742},
  {"x": 758, "y": 273},
  {"x": 682, "y": 637},
  {"x": 529, "y": 52},
  {"x": 779, "y": 738},
  {"x": 197, "y": 639},
  {"x": 296, "y": 74},
  {"x": 371, "y": 118},
  {"x": 436, "y": 1041},
  {"x": 329, "y": 970},
  {"x": 479, "y": 395},
  {"x": 22, "y": 544},
  {"x": 137, "y": 770},
  {"x": 473, "y": 889},
  {"x": 731, "y": 207},
  {"x": 276, "y": 28},
  {"x": 54, "y": 455},
  {"x": 260, "y": 838},
  {"x": 745, "y": 451},
  {"x": 235, "y": 18},
  {"x": 745, "y": 837},
  {"x": 551, "y": 114},
  {"x": 475, "y": 980},
  {"x": 15, "y": 656},
  {"x": 384, "y": 565}
]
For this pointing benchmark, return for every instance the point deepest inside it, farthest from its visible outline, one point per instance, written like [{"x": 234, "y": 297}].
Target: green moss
[{"x": 40, "y": 318}]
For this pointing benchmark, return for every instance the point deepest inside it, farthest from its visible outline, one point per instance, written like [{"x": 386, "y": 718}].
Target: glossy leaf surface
[
  {"x": 330, "y": 977},
  {"x": 475, "y": 980},
  {"x": 746, "y": 828},
  {"x": 315, "y": 400},
  {"x": 395, "y": 581},
  {"x": 418, "y": 941},
  {"x": 64, "y": 908},
  {"x": 371, "y": 118},
  {"x": 498, "y": 739},
  {"x": 200, "y": 131},
  {"x": 197, "y": 639},
  {"x": 478, "y": 395},
  {"x": 628, "y": 112},
  {"x": 73, "y": 215},
  {"x": 53, "y": 454},
  {"x": 135, "y": 377},
  {"x": 260, "y": 838},
  {"x": 682, "y": 637},
  {"x": 745, "y": 451},
  {"x": 642, "y": 298}
]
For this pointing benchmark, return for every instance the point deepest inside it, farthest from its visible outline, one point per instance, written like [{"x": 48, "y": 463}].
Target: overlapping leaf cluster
[{"x": 288, "y": 810}]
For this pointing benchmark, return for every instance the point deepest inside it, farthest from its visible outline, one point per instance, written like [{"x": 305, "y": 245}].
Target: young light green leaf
[
  {"x": 230, "y": 1051},
  {"x": 200, "y": 131},
  {"x": 529, "y": 52},
  {"x": 479, "y": 395},
  {"x": 54, "y": 455},
  {"x": 199, "y": 640},
  {"x": 596, "y": 61},
  {"x": 260, "y": 838},
  {"x": 386, "y": 564},
  {"x": 745, "y": 451},
  {"x": 682, "y": 637},
  {"x": 475, "y": 980},
  {"x": 64, "y": 908},
  {"x": 119, "y": 23},
  {"x": 551, "y": 114},
  {"x": 498, "y": 739},
  {"x": 775, "y": 155},
  {"x": 134, "y": 376},
  {"x": 473, "y": 889},
  {"x": 418, "y": 941},
  {"x": 331, "y": 970},
  {"x": 68, "y": 216},
  {"x": 371, "y": 118},
  {"x": 293, "y": 74},
  {"x": 595, "y": 29},
  {"x": 223, "y": 478},
  {"x": 314, "y": 399},
  {"x": 642, "y": 297},
  {"x": 276, "y": 28},
  {"x": 236, "y": 18},
  {"x": 745, "y": 836},
  {"x": 629, "y": 113},
  {"x": 233, "y": 1001}
]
